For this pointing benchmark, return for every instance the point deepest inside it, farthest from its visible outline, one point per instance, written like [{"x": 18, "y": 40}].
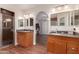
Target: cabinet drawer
[{"x": 72, "y": 47}]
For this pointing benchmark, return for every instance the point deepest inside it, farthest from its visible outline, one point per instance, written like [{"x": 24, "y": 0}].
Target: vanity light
[
  {"x": 20, "y": 18},
  {"x": 59, "y": 8},
  {"x": 31, "y": 15},
  {"x": 66, "y": 7},
  {"x": 26, "y": 16},
  {"x": 53, "y": 10}
]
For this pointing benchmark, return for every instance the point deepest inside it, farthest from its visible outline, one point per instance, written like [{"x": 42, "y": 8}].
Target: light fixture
[
  {"x": 66, "y": 7},
  {"x": 20, "y": 17},
  {"x": 59, "y": 8},
  {"x": 30, "y": 15},
  {"x": 53, "y": 10},
  {"x": 26, "y": 16}
]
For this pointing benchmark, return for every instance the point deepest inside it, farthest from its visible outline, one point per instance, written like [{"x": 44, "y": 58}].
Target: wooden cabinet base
[
  {"x": 62, "y": 45},
  {"x": 25, "y": 39}
]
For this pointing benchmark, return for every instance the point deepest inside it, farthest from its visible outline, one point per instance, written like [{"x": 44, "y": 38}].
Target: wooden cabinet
[
  {"x": 25, "y": 39},
  {"x": 56, "y": 45},
  {"x": 72, "y": 46},
  {"x": 62, "y": 45}
]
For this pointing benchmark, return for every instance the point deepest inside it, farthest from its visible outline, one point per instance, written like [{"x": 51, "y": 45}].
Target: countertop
[
  {"x": 66, "y": 35},
  {"x": 24, "y": 30}
]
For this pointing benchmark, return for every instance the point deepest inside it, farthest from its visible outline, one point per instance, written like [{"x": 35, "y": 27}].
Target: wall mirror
[
  {"x": 76, "y": 17},
  {"x": 53, "y": 20},
  {"x": 62, "y": 21},
  {"x": 72, "y": 18},
  {"x": 20, "y": 23},
  {"x": 62, "y": 17},
  {"x": 26, "y": 22},
  {"x": 31, "y": 21}
]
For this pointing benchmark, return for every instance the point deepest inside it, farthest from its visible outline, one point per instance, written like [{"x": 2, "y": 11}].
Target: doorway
[
  {"x": 7, "y": 27},
  {"x": 42, "y": 20}
]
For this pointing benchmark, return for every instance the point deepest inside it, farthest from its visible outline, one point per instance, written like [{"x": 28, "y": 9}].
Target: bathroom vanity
[
  {"x": 63, "y": 37},
  {"x": 25, "y": 31},
  {"x": 63, "y": 44},
  {"x": 25, "y": 38}
]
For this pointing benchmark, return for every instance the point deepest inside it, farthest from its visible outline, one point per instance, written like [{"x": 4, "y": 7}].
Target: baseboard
[{"x": 5, "y": 46}]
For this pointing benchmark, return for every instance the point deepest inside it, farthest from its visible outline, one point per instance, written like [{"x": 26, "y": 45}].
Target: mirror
[
  {"x": 72, "y": 19},
  {"x": 26, "y": 22},
  {"x": 62, "y": 17},
  {"x": 20, "y": 23},
  {"x": 31, "y": 21},
  {"x": 76, "y": 17},
  {"x": 53, "y": 20},
  {"x": 62, "y": 21}
]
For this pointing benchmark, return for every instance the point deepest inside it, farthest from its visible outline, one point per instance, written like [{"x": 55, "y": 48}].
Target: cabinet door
[
  {"x": 20, "y": 39},
  {"x": 72, "y": 47},
  {"x": 50, "y": 47},
  {"x": 60, "y": 47},
  {"x": 56, "y": 45},
  {"x": 30, "y": 38},
  {"x": 27, "y": 39}
]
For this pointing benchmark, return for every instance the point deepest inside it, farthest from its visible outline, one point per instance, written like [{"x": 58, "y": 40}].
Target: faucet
[
  {"x": 74, "y": 29},
  {"x": 56, "y": 30}
]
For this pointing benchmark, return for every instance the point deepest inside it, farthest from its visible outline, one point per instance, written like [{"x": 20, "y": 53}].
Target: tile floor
[{"x": 38, "y": 49}]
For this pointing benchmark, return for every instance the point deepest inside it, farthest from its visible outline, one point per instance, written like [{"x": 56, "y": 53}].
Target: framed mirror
[
  {"x": 20, "y": 23},
  {"x": 62, "y": 17},
  {"x": 76, "y": 17},
  {"x": 26, "y": 22},
  {"x": 31, "y": 21},
  {"x": 62, "y": 21},
  {"x": 53, "y": 20}
]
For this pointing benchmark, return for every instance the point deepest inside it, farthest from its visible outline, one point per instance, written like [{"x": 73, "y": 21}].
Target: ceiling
[{"x": 22, "y": 7}]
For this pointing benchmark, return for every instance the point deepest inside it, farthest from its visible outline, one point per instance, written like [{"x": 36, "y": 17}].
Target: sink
[{"x": 25, "y": 30}]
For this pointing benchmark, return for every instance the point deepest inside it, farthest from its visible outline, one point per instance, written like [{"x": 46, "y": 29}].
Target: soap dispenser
[{"x": 74, "y": 29}]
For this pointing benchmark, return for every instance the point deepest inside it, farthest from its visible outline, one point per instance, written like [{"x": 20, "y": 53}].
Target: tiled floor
[{"x": 38, "y": 49}]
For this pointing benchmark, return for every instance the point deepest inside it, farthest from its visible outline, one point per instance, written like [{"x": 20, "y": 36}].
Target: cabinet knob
[{"x": 73, "y": 48}]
